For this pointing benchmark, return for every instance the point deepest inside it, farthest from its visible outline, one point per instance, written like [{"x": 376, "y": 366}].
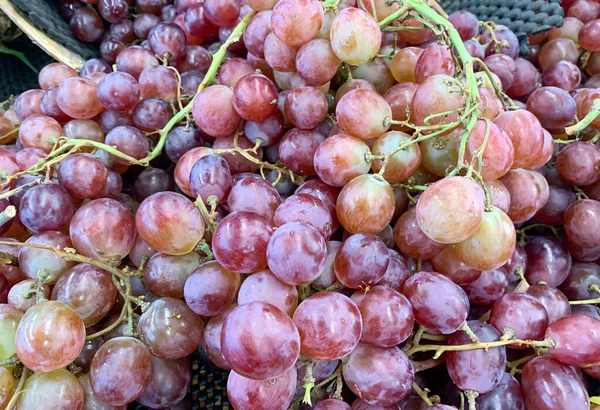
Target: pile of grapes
[{"x": 348, "y": 204}]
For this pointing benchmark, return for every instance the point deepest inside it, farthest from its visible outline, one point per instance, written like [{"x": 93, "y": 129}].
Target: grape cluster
[{"x": 362, "y": 205}]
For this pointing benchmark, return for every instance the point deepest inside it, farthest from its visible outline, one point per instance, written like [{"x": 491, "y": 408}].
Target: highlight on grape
[{"x": 344, "y": 204}]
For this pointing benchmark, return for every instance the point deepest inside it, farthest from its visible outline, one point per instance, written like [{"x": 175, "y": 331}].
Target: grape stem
[
  {"x": 471, "y": 396},
  {"x": 122, "y": 317},
  {"x": 22, "y": 188},
  {"x": 423, "y": 365},
  {"x": 465, "y": 328},
  {"x": 592, "y": 288},
  {"x": 587, "y": 120},
  {"x": 12, "y": 404},
  {"x": 209, "y": 217},
  {"x": 512, "y": 366},
  {"x": 422, "y": 394},
  {"x": 10, "y": 361},
  {"x": 309, "y": 383},
  {"x": 439, "y": 350}
]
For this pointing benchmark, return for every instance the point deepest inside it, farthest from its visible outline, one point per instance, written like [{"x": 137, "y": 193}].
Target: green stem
[
  {"x": 587, "y": 120},
  {"x": 439, "y": 349}
]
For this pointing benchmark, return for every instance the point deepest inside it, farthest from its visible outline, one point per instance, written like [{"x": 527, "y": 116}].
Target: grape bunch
[{"x": 347, "y": 205}]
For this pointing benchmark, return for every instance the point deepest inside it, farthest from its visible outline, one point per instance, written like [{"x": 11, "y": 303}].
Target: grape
[
  {"x": 91, "y": 402},
  {"x": 361, "y": 261},
  {"x": 498, "y": 152},
  {"x": 296, "y": 253},
  {"x": 305, "y": 107},
  {"x": 504, "y": 35},
  {"x": 133, "y": 60},
  {"x": 165, "y": 275},
  {"x": 355, "y": 36},
  {"x": 28, "y": 104},
  {"x": 87, "y": 25},
  {"x": 181, "y": 140},
  {"x": 263, "y": 286},
  {"x": 212, "y": 338},
  {"x": 297, "y": 150},
  {"x": 170, "y": 223},
  {"x": 555, "y": 302},
  {"x": 269, "y": 130},
  {"x": 465, "y": 23},
  {"x": 253, "y": 97},
  {"x": 54, "y": 74},
  {"x": 46, "y": 207},
  {"x": 9, "y": 321},
  {"x": 120, "y": 371},
  {"x": 54, "y": 390},
  {"x": 256, "y": 32},
  {"x": 94, "y": 65},
  {"x": 103, "y": 229},
  {"x": 32, "y": 260},
  {"x": 74, "y": 289},
  {"x": 582, "y": 274},
  {"x": 507, "y": 394},
  {"x": 274, "y": 394},
  {"x": 169, "y": 329},
  {"x": 82, "y": 175},
  {"x": 267, "y": 349},
  {"x": 581, "y": 223},
  {"x": 402, "y": 164},
  {"x": 554, "y": 107},
  {"x": 232, "y": 70},
  {"x": 445, "y": 259},
  {"x": 332, "y": 404},
  {"x": 151, "y": 114},
  {"x": 547, "y": 384},
  {"x": 119, "y": 91},
  {"x": 492, "y": 243},
  {"x": 109, "y": 50},
  {"x": 438, "y": 304},
  {"x": 353, "y": 85},
  {"x": 167, "y": 40},
  {"x": 589, "y": 35},
  {"x": 330, "y": 326},
  {"x": 584, "y": 10},
  {"x": 78, "y": 98},
  {"x": 435, "y": 59},
  {"x": 306, "y": 209},
  {"x": 151, "y": 181},
  {"x": 50, "y": 335},
  {"x": 359, "y": 121},
  {"x": 195, "y": 58},
  {"x": 378, "y": 375},
  {"x": 289, "y": 15},
  {"x": 577, "y": 163},
  {"x": 360, "y": 404},
  {"x": 563, "y": 74},
  {"x": 49, "y": 105},
  {"x": 39, "y": 131},
  {"x": 111, "y": 119},
  {"x": 557, "y": 50},
  {"x": 279, "y": 55},
  {"x": 575, "y": 340},
  {"x": 522, "y": 313},
  {"x": 210, "y": 176},
  {"x": 168, "y": 385},
  {"x": 440, "y": 153},
  {"x": 214, "y": 113},
  {"x": 386, "y": 314},
  {"x": 316, "y": 62},
  {"x": 411, "y": 240},
  {"x": 240, "y": 242},
  {"x": 479, "y": 370},
  {"x": 254, "y": 194},
  {"x": 488, "y": 287},
  {"x": 366, "y": 204},
  {"x": 435, "y": 210},
  {"x": 525, "y": 194},
  {"x": 436, "y": 95},
  {"x": 547, "y": 260},
  {"x": 185, "y": 164},
  {"x": 553, "y": 212},
  {"x": 211, "y": 289},
  {"x": 16, "y": 295},
  {"x": 526, "y": 79}
]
